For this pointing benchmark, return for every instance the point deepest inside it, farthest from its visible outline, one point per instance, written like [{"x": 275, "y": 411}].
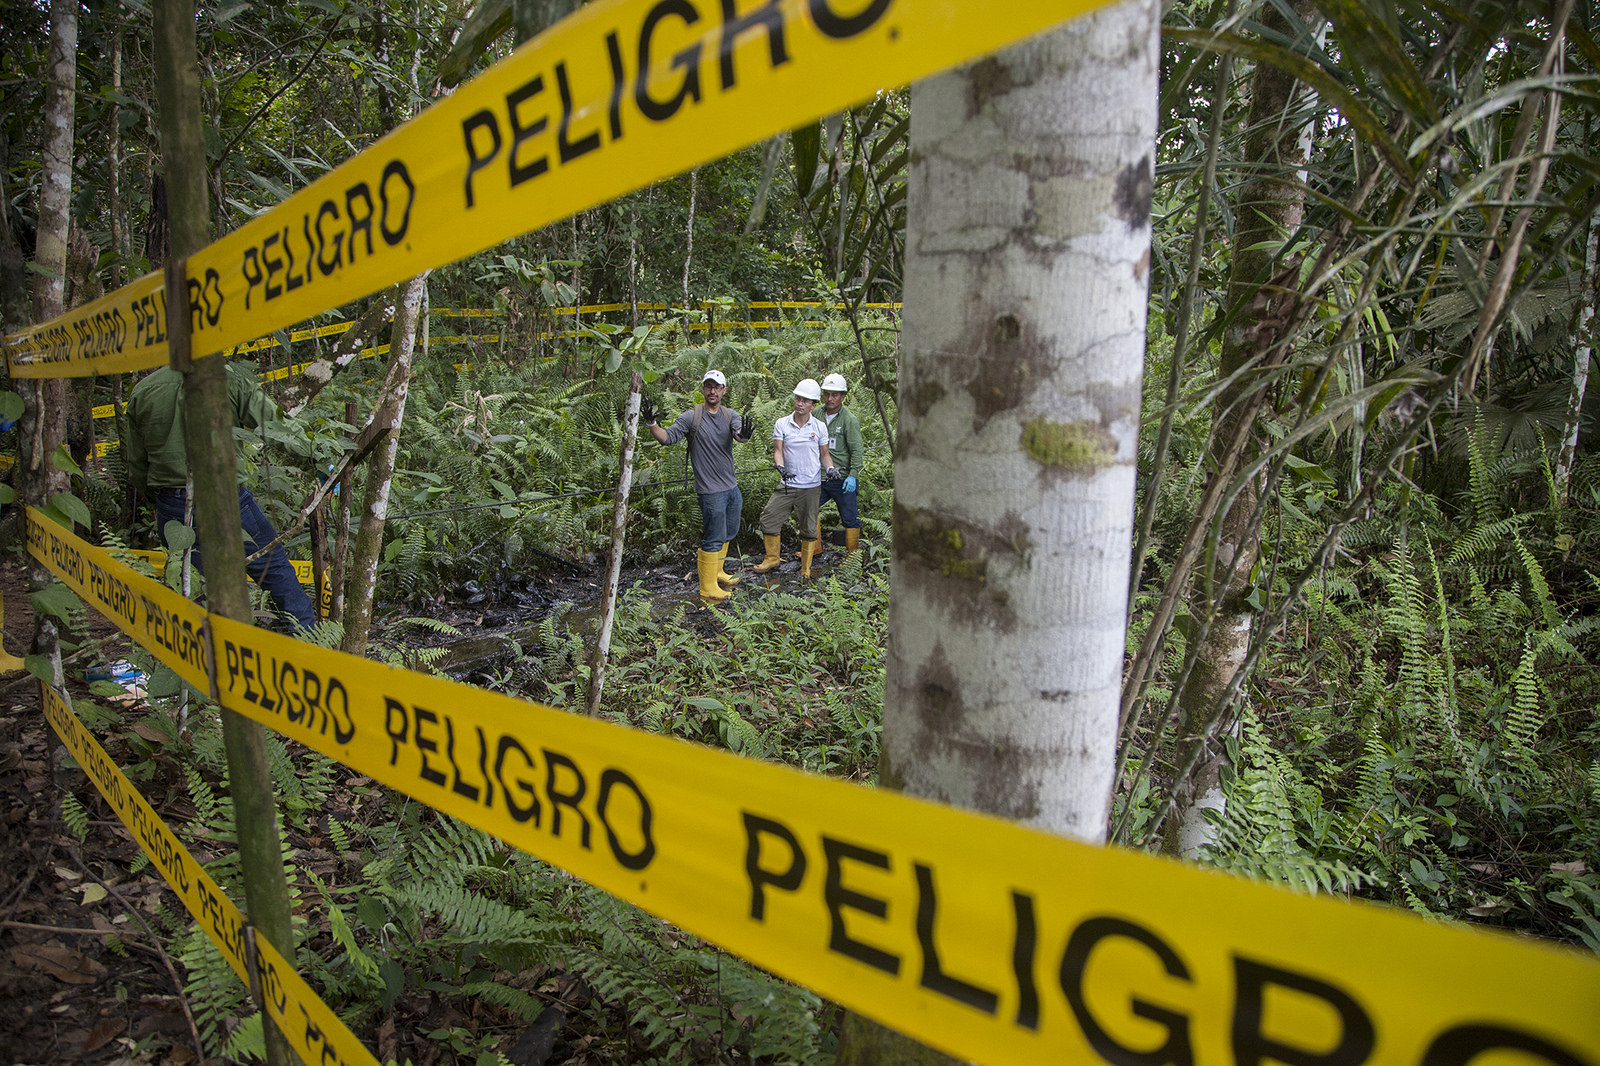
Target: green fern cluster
[
  {"x": 449, "y": 908},
  {"x": 1438, "y": 738}
]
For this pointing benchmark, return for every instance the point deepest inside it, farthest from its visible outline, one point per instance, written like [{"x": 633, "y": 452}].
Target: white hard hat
[
  {"x": 807, "y": 390},
  {"x": 834, "y": 383},
  {"x": 714, "y": 375}
]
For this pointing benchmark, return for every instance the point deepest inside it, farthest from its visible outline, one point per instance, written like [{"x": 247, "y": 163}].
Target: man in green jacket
[
  {"x": 844, "y": 445},
  {"x": 158, "y": 466}
]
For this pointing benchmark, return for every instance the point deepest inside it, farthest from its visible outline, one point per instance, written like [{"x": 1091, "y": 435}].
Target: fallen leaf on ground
[
  {"x": 61, "y": 962},
  {"x": 101, "y": 1035}
]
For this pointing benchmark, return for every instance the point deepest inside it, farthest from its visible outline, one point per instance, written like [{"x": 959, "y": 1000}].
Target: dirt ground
[{"x": 82, "y": 978}]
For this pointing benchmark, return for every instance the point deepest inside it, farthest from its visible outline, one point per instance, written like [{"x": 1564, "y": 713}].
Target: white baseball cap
[{"x": 714, "y": 375}]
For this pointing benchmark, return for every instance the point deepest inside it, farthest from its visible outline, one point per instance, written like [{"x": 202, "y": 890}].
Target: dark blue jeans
[
  {"x": 719, "y": 517},
  {"x": 273, "y": 572},
  {"x": 846, "y": 501}
]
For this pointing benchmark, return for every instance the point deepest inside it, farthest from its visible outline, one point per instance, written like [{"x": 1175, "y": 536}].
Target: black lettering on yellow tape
[
  {"x": 981, "y": 937},
  {"x": 167, "y": 625},
  {"x": 619, "y": 95},
  {"x": 315, "y": 1032},
  {"x": 978, "y": 936}
]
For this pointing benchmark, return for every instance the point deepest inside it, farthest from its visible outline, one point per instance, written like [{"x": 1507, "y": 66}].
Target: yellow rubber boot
[
  {"x": 9, "y": 664},
  {"x": 808, "y": 551},
  {"x": 709, "y": 588},
  {"x": 725, "y": 579},
  {"x": 802, "y": 552},
  {"x": 772, "y": 559},
  {"x": 852, "y": 537}
]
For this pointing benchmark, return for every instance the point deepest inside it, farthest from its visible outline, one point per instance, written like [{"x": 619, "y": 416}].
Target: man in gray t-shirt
[{"x": 711, "y": 429}]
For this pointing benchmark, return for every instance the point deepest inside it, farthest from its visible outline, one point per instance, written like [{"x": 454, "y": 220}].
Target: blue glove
[{"x": 850, "y": 484}]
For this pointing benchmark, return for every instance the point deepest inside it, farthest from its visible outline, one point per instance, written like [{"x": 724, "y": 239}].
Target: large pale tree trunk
[
  {"x": 1260, "y": 292},
  {"x": 390, "y": 413},
  {"x": 1027, "y": 261}
]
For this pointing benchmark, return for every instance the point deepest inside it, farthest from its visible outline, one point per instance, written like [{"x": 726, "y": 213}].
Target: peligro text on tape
[
  {"x": 978, "y": 936},
  {"x": 981, "y": 937},
  {"x": 165, "y": 623},
  {"x": 314, "y": 1031},
  {"x": 618, "y": 95}
]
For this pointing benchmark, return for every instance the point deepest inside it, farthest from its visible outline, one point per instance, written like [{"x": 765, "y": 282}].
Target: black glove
[
  {"x": 748, "y": 425},
  {"x": 832, "y": 473},
  {"x": 783, "y": 475},
  {"x": 647, "y": 410}
]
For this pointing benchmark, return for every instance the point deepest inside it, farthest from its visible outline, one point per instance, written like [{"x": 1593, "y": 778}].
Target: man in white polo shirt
[{"x": 800, "y": 452}]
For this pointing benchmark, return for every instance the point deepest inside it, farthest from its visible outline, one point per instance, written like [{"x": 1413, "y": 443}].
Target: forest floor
[{"x": 85, "y": 974}]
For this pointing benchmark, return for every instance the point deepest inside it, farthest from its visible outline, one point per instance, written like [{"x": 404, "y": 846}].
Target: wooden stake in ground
[{"x": 619, "y": 525}]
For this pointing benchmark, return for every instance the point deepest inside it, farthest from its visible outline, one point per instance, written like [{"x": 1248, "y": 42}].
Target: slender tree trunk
[
  {"x": 619, "y": 527},
  {"x": 1191, "y": 281},
  {"x": 380, "y": 468},
  {"x": 319, "y": 554},
  {"x": 1583, "y": 345},
  {"x": 208, "y": 425},
  {"x": 1027, "y": 263},
  {"x": 341, "y": 535},
  {"x": 1271, "y": 204},
  {"x": 1501, "y": 253},
  {"x": 43, "y": 426},
  {"x": 688, "y": 239},
  {"x": 633, "y": 265},
  {"x": 316, "y": 375},
  {"x": 114, "y": 193}
]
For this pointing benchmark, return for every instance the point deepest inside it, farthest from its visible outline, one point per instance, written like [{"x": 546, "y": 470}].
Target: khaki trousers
[{"x": 804, "y": 503}]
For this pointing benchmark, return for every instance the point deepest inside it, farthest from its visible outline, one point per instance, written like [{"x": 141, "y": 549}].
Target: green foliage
[
  {"x": 792, "y": 678},
  {"x": 460, "y": 914},
  {"x": 1426, "y": 752},
  {"x": 77, "y": 819}
]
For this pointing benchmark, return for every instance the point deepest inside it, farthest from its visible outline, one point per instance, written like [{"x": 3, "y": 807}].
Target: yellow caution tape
[
  {"x": 304, "y": 572},
  {"x": 620, "y": 94},
  {"x": 109, "y": 410},
  {"x": 313, "y": 1030},
  {"x": 167, "y": 625},
  {"x": 981, "y": 937}
]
